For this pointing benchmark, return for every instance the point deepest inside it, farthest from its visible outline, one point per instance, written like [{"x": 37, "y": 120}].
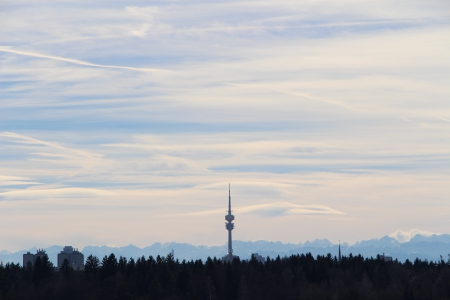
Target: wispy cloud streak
[
  {"x": 32, "y": 141},
  {"x": 76, "y": 61},
  {"x": 275, "y": 209},
  {"x": 46, "y": 193}
]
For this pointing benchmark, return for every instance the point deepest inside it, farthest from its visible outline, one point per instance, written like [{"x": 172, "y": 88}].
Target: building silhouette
[
  {"x": 258, "y": 257},
  {"x": 387, "y": 258},
  {"x": 73, "y": 256},
  {"x": 30, "y": 257}
]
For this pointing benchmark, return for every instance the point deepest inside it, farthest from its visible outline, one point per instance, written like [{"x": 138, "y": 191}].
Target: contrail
[
  {"x": 76, "y": 61},
  {"x": 303, "y": 95}
]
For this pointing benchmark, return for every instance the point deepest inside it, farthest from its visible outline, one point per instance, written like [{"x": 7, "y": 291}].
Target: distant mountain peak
[
  {"x": 318, "y": 243},
  {"x": 405, "y": 236}
]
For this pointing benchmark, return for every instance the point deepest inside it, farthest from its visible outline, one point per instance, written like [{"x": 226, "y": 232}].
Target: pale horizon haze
[{"x": 123, "y": 122}]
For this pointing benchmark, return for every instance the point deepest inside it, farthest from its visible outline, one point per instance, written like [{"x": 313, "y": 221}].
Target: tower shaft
[
  {"x": 230, "y": 243},
  {"x": 340, "y": 251}
]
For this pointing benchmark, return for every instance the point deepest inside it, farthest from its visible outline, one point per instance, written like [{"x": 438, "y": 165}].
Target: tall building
[
  {"x": 29, "y": 257},
  {"x": 73, "y": 256},
  {"x": 229, "y": 226}
]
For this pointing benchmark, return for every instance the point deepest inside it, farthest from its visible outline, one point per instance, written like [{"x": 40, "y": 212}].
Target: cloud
[
  {"x": 76, "y": 61},
  {"x": 43, "y": 193},
  {"x": 32, "y": 141},
  {"x": 296, "y": 94},
  {"x": 52, "y": 152},
  {"x": 286, "y": 208},
  {"x": 444, "y": 119},
  {"x": 405, "y": 236},
  {"x": 162, "y": 166},
  {"x": 15, "y": 180},
  {"x": 275, "y": 209}
]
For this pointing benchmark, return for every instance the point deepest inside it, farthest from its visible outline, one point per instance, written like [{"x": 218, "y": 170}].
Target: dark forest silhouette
[{"x": 295, "y": 277}]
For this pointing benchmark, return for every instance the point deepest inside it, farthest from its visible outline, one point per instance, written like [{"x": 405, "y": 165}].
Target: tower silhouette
[
  {"x": 229, "y": 226},
  {"x": 340, "y": 257}
]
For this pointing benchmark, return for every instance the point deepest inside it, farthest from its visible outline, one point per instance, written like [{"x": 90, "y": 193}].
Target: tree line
[{"x": 300, "y": 276}]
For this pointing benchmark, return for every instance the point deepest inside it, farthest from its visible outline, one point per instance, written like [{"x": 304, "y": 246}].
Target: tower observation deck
[{"x": 229, "y": 226}]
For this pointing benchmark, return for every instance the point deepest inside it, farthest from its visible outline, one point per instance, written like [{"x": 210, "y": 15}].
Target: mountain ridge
[{"x": 429, "y": 247}]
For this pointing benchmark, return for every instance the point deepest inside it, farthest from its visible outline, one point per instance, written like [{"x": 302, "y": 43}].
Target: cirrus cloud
[{"x": 275, "y": 209}]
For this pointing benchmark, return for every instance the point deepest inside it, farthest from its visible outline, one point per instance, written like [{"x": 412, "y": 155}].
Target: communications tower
[{"x": 229, "y": 226}]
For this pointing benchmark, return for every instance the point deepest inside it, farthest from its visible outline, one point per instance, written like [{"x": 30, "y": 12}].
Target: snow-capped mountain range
[{"x": 423, "y": 246}]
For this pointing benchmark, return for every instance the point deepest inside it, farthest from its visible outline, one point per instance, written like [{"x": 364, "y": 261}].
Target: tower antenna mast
[{"x": 229, "y": 199}]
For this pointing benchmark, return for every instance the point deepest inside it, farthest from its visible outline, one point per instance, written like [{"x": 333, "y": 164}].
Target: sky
[{"x": 123, "y": 122}]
